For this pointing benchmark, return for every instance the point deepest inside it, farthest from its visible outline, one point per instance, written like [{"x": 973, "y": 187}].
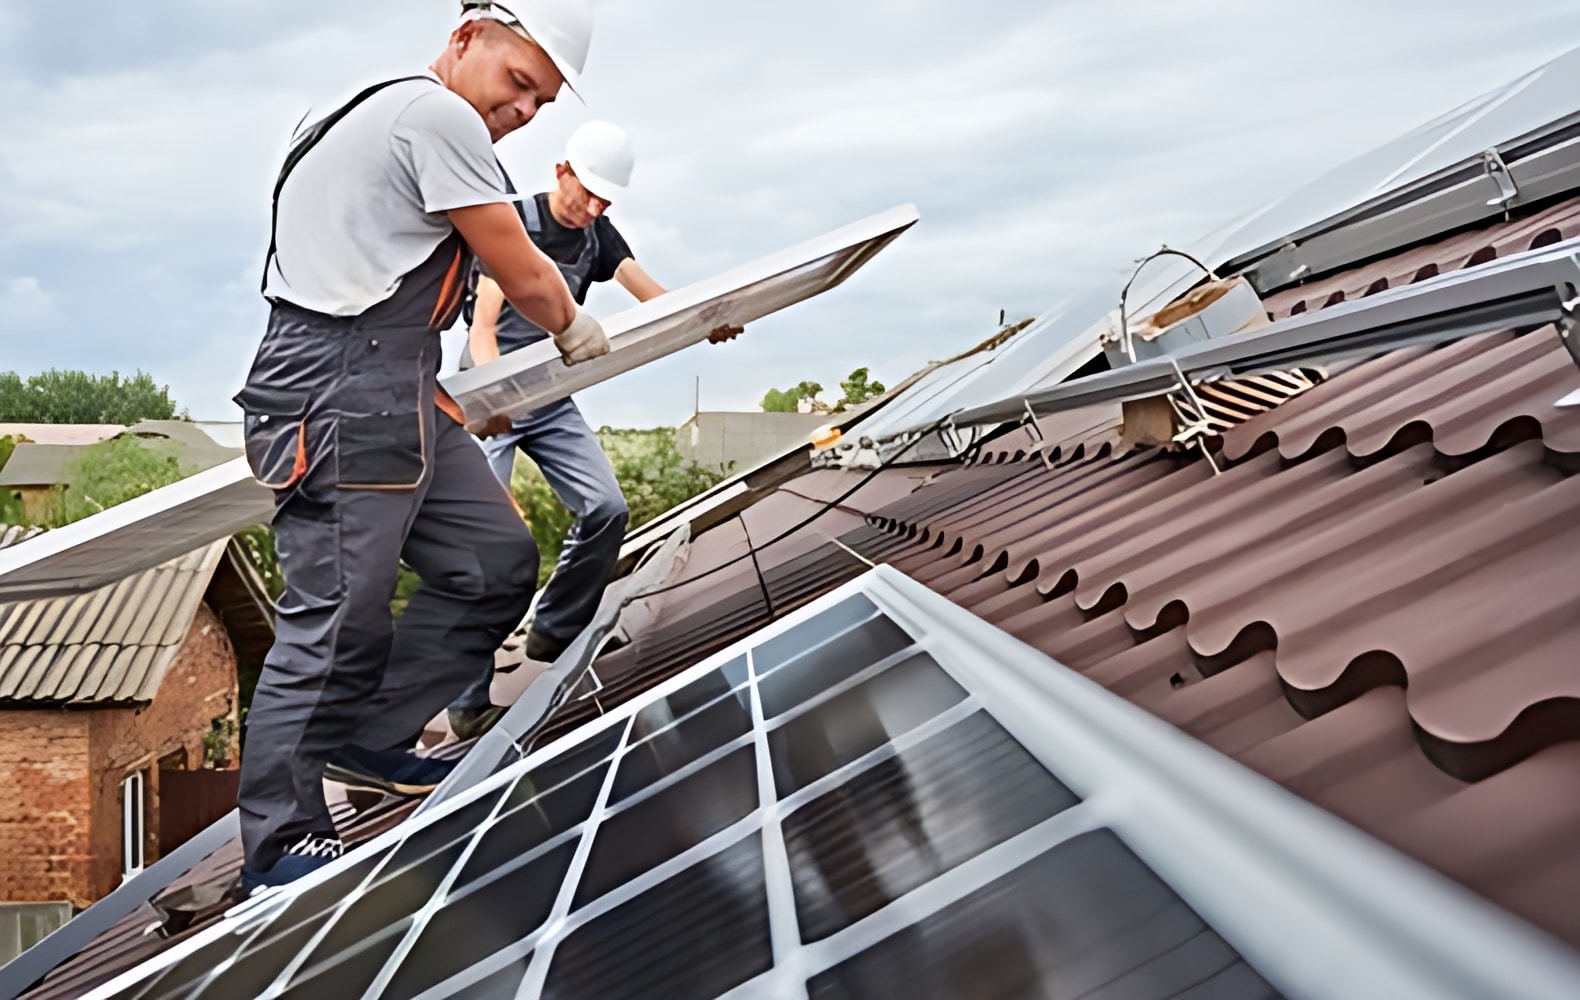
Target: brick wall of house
[
  {"x": 45, "y": 805},
  {"x": 199, "y": 687},
  {"x": 61, "y": 772}
]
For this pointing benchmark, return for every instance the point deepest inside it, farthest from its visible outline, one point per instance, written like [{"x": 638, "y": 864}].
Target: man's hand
[
  {"x": 726, "y": 332},
  {"x": 497, "y": 424},
  {"x": 583, "y": 340}
]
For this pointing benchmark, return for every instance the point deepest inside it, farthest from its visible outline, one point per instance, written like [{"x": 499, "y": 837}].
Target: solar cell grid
[{"x": 770, "y": 807}]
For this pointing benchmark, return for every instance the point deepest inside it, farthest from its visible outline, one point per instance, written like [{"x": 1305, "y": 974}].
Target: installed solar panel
[
  {"x": 176, "y": 519},
  {"x": 684, "y": 848},
  {"x": 857, "y": 806}
]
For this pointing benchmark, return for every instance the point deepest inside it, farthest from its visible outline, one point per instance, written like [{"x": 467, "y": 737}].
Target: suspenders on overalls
[{"x": 351, "y": 397}]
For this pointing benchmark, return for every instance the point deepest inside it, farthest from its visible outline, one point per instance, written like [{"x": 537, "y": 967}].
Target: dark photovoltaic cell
[
  {"x": 697, "y": 934},
  {"x": 653, "y": 858},
  {"x": 854, "y": 723},
  {"x": 797, "y": 639},
  {"x": 679, "y": 743},
  {"x": 678, "y": 817},
  {"x": 1086, "y": 919},
  {"x": 520, "y": 832},
  {"x": 910, "y": 818},
  {"x": 494, "y": 917},
  {"x": 827, "y": 664}
]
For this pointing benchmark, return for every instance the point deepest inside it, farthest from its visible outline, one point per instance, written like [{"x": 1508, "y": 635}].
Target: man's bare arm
[
  {"x": 639, "y": 283},
  {"x": 525, "y": 277},
  {"x": 483, "y": 336}
]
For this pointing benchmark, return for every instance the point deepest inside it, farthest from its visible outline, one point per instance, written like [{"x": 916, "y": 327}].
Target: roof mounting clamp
[
  {"x": 950, "y": 434},
  {"x": 1568, "y": 327},
  {"x": 1508, "y": 191}
]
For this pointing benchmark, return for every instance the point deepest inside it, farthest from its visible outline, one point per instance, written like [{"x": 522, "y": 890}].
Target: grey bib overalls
[{"x": 342, "y": 419}]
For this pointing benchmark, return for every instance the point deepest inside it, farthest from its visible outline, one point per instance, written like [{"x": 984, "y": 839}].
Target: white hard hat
[
  {"x": 602, "y": 156},
  {"x": 561, "y": 28}
]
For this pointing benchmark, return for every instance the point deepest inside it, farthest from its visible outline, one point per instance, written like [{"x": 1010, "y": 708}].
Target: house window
[{"x": 133, "y": 829}]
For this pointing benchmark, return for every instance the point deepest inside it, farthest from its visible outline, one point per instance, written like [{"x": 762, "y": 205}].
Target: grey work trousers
[
  {"x": 341, "y": 671},
  {"x": 570, "y": 457}
]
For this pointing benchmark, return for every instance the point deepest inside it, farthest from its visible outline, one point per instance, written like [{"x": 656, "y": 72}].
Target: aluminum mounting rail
[{"x": 1526, "y": 290}]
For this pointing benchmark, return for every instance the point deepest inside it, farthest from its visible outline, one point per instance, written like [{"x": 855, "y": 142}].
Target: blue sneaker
[
  {"x": 309, "y": 854},
  {"x": 393, "y": 772}
]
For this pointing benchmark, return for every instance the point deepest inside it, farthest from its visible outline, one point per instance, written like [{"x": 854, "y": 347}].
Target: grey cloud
[{"x": 1047, "y": 145}]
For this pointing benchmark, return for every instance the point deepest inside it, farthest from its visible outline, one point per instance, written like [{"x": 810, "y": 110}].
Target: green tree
[
  {"x": 858, "y": 389},
  {"x": 113, "y": 472},
  {"x": 74, "y": 397},
  {"x": 790, "y": 400},
  {"x": 10, "y": 506},
  {"x": 653, "y": 476},
  {"x": 259, "y": 544}
]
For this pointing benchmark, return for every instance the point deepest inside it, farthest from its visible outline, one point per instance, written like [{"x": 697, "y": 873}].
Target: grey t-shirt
[{"x": 366, "y": 205}]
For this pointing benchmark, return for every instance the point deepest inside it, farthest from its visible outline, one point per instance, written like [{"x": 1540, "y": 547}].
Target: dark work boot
[
  {"x": 393, "y": 772},
  {"x": 307, "y": 855},
  {"x": 470, "y": 723},
  {"x": 543, "y": 648}
]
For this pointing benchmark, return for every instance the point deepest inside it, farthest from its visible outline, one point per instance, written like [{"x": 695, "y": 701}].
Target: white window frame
[{"x": 134, "y": 823}]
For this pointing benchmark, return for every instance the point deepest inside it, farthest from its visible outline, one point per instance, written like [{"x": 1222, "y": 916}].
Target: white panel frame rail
[
  {"x": 1523, "y": 291},
  {"x": 524, "y": 380},
  {"x": 133, "y": 536},
  {"x": 1317, "y": 907},
  {"x": 174, "y": 520}
]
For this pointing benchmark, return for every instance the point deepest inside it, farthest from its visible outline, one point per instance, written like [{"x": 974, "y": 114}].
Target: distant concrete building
[{"x": 737, "y": 441}]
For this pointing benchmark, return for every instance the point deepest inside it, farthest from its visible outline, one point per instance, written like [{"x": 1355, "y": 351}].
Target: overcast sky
[{"x": 1047, "y": 144}]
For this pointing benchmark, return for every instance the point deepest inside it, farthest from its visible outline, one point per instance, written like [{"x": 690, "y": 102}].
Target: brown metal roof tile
[{"x": 1460, "y": 395}]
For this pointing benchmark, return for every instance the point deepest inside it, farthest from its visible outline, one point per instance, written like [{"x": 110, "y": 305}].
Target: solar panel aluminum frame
[
  {"x": 1526, "y": 290},
  {"x": 1317, "y": 907},
  {"x": 133, "y": 536},
  {"x": 524, "y": 380}
]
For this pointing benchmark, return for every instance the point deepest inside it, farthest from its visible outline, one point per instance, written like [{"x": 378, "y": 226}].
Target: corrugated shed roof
[
  {"x": 108, "y": 646},
  {"x": 38, "y": 464},
  {"x": 11, "y": 534}
]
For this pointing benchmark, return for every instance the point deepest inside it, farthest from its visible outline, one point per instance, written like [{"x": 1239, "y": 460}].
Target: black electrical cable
[{"x": 752, "y": 550}]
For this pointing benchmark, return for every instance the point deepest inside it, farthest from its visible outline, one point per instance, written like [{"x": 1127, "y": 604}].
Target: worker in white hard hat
[
  {"x": 379, "y": 212},
  {"x": 569, "y": 224}
]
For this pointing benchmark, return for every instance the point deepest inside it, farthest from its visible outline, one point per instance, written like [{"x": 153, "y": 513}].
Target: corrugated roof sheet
[{"x": 110, "y": 645}]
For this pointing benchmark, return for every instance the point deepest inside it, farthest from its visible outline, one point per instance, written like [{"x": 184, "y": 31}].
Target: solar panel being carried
[
  {"x": 878, "y": 796},
  {"x": 176, "y": 519}
]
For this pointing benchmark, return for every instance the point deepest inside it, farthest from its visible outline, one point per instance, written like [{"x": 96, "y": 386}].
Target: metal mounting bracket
[{"x": 1508, "y": 191}]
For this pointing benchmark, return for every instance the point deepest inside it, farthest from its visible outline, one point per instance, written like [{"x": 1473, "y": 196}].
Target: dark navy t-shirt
[{"x": 564, "y": 245}]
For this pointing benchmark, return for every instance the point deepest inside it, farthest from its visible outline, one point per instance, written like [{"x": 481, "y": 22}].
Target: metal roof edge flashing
[
  {"x": 1314, "y": 904},
  {"x": 1526, "y": 290}
]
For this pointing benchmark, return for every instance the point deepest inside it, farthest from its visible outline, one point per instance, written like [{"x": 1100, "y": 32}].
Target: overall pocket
[
  {"x": 274, "y": 432},
  {"x": 380, "y": 451}
]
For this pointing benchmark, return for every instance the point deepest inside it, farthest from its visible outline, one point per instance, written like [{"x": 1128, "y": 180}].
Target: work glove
[{"x": 583, "y": 340}]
